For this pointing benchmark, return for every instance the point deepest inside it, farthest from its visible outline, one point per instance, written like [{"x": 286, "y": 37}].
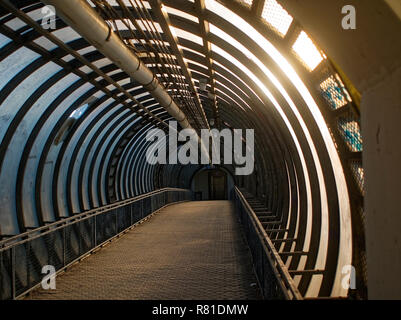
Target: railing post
[
  {"x": 94, "y": 231},
  {"x": 131, "y": 209},
  {"x": 27, "y": 264},
  {"x": 64, "y": 247},
  {"x": 116, "y": 213},
  {"x": 270, "y": 269},
  {"x": 13, "y": 288}
]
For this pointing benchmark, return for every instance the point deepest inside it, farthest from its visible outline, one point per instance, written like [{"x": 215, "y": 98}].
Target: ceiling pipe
[{"x": 86, "y": 21}]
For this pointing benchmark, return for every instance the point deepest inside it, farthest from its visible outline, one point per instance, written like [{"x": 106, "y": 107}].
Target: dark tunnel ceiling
[{"x": 307, "y": 136}]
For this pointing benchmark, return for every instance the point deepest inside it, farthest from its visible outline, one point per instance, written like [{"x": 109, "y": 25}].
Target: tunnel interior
[{"x": 73, "y": 124}]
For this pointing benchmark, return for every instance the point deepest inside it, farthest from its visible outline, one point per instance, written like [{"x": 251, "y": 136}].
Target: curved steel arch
[{"x": 288, "y": 168}]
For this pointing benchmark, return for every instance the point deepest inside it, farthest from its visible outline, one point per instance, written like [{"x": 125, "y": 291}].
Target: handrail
[
  {"x": 65, "y": 242},
  {"x": 280, "y": 271},
  {"x": 79, "y": 217}
]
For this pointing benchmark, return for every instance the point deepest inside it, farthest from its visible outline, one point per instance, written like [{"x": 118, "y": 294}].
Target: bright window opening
[
  {"x": 180, "y": 33},
  {"x": 144, "y": 25},
  {"x": 247, "y": 2},
  {"x": 180, "y": 13},
  {"x": 277, "y": 17},
  {"x": 114, "y": 3},
  {"x": 307, "y": 51}
]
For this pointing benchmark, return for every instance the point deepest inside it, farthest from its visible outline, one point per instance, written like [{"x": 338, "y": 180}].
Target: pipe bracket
[
  {"x": 109, "y": 31},
  {"x": 152, "y": 85},
  {"x": 169, "y": 105}
]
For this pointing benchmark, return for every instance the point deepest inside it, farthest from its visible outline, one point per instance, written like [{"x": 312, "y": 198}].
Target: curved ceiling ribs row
[{"x": 302, "y": 173}]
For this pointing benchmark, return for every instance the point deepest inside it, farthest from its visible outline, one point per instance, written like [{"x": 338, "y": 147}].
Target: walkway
[{"x": 192, "y": 250}]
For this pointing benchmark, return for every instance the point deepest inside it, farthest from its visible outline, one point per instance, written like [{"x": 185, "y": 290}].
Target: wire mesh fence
[{"x": 60, "y": 244}]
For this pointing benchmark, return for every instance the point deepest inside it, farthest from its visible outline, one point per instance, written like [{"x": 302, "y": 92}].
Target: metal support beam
[
  {"x": 29, "y": 21},
  {"x": 164, "y": 21},
  {"x": 204, "y": 26},
  {"x": 81, "y": 17},
  {"x": 302, "y": 272}
]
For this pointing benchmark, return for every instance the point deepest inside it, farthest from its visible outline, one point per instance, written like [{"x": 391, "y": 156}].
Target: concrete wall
[{"x": 381, "y": 125}]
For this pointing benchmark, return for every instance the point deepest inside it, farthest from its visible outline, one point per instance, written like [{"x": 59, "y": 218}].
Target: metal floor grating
[{"x": 192, "y": 250}]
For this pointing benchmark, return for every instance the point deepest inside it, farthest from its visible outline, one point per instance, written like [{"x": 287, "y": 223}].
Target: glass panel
[
  {"x": 277, "y": 18},
  {"x": 144, "y": 25},
  {"x": 66, "y": 34},
  {"x": 186, "y": 35},
  {"x": 14, "y": 63},
  {"x": 37, "y": 14},
  {"x": 350, "y": 130},
  {"x": 247, "y": 2},
  {"x": 180, "y": 13},
  {"x": 334, "y": 92},
  {"x": 15, "y": 24},
  {"x": 307, "y": 51},
  {"x": 128, "y": 3},
  {"x": 45, "y": 43},
  {"x": 3, "y": 40}
]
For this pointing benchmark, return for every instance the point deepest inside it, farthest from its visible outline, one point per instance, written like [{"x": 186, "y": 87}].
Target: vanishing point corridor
[{"x": 200, "y": 149}]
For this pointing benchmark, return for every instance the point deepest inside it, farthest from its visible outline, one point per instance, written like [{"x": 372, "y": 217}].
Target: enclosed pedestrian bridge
[{"x": 84, "y": 83}]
